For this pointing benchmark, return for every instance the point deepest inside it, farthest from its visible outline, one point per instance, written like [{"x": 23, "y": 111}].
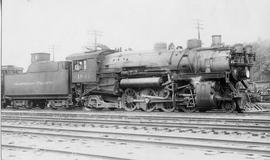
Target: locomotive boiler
[{"x": 165, "y": 79}]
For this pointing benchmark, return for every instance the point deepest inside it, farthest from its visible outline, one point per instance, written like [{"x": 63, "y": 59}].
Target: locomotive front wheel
[
  {"x": 228, "y": 107},
  {"x": 127, "y": 100},
  {"x": 190, "y": 107},
  {"x": 167, "y": 107}
]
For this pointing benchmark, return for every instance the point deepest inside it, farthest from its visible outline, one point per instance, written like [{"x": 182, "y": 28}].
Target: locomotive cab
[
  {"x": 84, "y": 67},
  {"x": 90, "y": 84}
]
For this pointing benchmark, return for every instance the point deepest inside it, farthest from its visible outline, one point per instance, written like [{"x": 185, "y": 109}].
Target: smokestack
[{"x": 216, "y": 40}]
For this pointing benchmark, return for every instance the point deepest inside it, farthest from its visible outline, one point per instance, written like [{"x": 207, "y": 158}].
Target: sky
[{"x": 30, "y": 26}]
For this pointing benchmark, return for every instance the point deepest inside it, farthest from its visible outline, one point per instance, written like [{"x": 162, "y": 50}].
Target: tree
[{"x": 261, "y": 68}]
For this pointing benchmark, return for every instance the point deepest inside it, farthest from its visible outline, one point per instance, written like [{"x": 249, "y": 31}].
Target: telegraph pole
[
  {"x": 95, "y": 33},
  {"x": 198, "y": 27}
]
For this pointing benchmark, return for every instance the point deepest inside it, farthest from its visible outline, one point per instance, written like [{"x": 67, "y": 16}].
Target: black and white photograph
[{"x": 135, "y": 79}]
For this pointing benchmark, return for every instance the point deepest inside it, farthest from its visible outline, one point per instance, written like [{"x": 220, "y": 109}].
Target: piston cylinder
[{"x": 141, "y": 82}]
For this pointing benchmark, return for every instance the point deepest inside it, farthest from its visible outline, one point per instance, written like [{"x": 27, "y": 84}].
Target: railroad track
[
  {"x": 145, "y": 123},
  {"x": 262, "y": 148},
  {"x": 260, "y": 118},
  {"x": 144, "y": 130},
  {"x": 69, "y": 153}
]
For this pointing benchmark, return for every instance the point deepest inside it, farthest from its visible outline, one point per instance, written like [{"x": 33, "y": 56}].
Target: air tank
[{"x": 141, "y": 82}]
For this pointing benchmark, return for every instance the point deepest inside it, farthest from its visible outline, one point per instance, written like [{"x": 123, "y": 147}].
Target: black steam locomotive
[{"x": 165, "y": 78}]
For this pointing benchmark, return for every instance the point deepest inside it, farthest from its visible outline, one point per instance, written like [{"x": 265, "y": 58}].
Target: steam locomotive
[{"x": 165, "y": 78}]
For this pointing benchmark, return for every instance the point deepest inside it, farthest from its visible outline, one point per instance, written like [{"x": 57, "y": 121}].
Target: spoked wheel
[
  {"x": 87, "y": 108},
  {"x": 189, "y": 107},
  {"x": 51, "y": 105},
  {"x": 68, "y": 107},
  {"x": 228, "y": 107},
  {"x": 3, "y": 105},
  {"x": 29, "y": 105},
  {"x": 127, "y": 99},
  {"x": 168, "y": 107},
  {"x": 13, "y": 106},
  {"x": 90, "y": 104},
  {"x": 149, "y": 106},
  {"x": 42, "y": 104}
]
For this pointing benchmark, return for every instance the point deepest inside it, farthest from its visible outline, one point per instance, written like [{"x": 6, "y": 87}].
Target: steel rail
[
  {"x": 135, "y": 138},
  {"x": 146, "y": 118},
  {"x": 63, "y": 152},
  {"x": 189, "y": 116},
  {"x": 238, "y": 124},
  {"x": 133, "y": 134},
  {"x": 147, "y": 124}
]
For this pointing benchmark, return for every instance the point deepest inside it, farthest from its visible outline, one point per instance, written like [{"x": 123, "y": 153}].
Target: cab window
[{"x": 79, "y": 65}]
